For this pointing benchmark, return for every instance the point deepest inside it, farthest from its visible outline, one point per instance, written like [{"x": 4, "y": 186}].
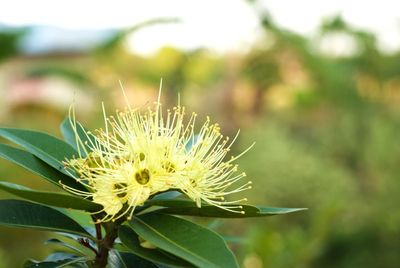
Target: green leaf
[
  {"x": 19, "y": 213},
  {"x": 189, "y": 208},
  {"x": 127, "y": 260},
  {"x": 69, "y": 135},
  {"x": 48, "y": 198},
  {"x": 132, "y": 261},
  {"x": 166, "y": 195},
  {"x": 55, "y": 241},
  {"x": 70, "y": 262},
  {"x": 58, "y": 256},
  {"x": 191, "y": 242},
  {"x": 50, "y": 149},
  {"x": 73, "y": 239},
  {"x": 37, "y": 166},
  {"x": 131, "y": 240}
]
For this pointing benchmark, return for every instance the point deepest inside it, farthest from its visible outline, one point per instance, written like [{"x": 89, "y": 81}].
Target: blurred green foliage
[
  {"x": 9, "y": 41},
  {"x": 326, "y": 129}
]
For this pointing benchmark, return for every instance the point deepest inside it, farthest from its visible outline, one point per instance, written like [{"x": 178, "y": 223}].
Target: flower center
[{"x": 143, "y": 176}]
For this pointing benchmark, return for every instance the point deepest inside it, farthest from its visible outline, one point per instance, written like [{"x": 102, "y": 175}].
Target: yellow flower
[{"x": 139, "y": 154}]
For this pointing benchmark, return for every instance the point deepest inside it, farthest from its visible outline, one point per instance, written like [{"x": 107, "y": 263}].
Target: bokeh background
[{"x": 316, "y": 85}]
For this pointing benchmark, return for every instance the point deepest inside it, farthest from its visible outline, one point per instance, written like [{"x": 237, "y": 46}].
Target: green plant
[{"x": 133, "y": 177}]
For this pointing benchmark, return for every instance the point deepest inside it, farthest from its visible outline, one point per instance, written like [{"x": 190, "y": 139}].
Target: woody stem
[{"x": 105, "y": 245}]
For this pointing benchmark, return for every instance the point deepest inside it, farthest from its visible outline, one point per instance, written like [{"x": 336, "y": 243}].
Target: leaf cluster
[{"x": 154, "y": 237}]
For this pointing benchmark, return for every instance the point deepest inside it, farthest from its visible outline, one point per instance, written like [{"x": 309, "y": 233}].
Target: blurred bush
[{"x": 326, "y": 127}]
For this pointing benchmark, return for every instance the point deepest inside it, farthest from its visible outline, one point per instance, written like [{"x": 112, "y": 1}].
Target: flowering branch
[{"x": 127, "y": 168}]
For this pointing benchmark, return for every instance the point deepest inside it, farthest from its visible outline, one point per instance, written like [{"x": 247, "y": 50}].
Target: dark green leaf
[
  {"x": 69, "y": 136},
  {"x": 50, "y": 149},
  {"x": 19, "y": 213},
  {"x": 48, "y": 198},
  {"x": 191, "y": 242},
  {"x": 37, "y": 166},
  {"x": 168, "y": 202},
  {"x": 132, "y": 261},
  {"x": 189, "y": 208},
  {"x": 127, "y": 260},
  {"x": 131, "y": 240}
]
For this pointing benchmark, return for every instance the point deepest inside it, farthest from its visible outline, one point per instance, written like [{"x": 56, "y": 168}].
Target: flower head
[{"x": 139, "y": 154}]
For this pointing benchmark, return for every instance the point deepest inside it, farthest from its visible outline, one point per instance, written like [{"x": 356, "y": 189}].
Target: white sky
[{"x": 218, "y": 24}]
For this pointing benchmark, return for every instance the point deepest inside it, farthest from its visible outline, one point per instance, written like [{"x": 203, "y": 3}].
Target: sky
[{"x": 217, "y": 24}]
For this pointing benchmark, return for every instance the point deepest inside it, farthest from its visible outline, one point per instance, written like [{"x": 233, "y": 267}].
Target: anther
[{"x": 143, "y": 176}]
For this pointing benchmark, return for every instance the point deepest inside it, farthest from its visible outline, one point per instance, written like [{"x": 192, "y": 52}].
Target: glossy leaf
[
  {"x": 57, "y": 242},
  {"x": 73, "y": 238},
  {"x": 69, "y": 135},
  {"x": 49, "y": 198},
  {"x": 131, "y": 241},
  {"x": 48, "y": 148},
  {"x": 166, "y": 195},
  {"x": 58, "y": 256},
  {"x": 191, "y": 242},
  {"x": 127, "y": 260},
  {"x": 189, "y": 208},
  {"x": 37, "y": 166},
  {"x": 19, "y": 213},
  {"x": 132, "y": 261}
]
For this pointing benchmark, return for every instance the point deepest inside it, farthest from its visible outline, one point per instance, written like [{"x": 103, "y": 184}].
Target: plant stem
[
  {"x": 105, "y": 245},
  {"x": 98, "y": 231}
]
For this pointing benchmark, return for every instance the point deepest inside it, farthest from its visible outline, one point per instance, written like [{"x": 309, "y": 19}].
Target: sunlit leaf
[
  {"x": 55, "y": 241},
  {"x": 50, "y": 149},
  {"x": 49, "y": 198},
  {"x": 37, "y": 166}
]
